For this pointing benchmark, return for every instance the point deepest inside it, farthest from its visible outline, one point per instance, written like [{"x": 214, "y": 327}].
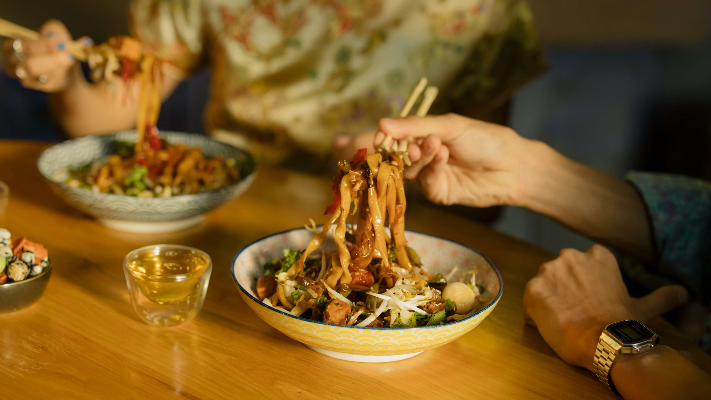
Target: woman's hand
[
  {"x": 43, "y": 64},
  {"x": 344, "y": 147},
  {"x": 575, "y": 296},
  {"x": 458, "y": 160}
]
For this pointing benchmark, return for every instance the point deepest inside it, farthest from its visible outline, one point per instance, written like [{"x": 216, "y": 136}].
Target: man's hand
[
  {"x": 344, "y": 147},
  {"x": 458, "y": 160},
  {"x": 575, "y": 296}
]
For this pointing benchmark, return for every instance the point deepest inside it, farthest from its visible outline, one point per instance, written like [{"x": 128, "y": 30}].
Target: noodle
[{"x": 372, "y": 278}]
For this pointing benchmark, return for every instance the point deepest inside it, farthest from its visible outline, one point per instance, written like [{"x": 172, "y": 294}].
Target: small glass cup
[
  {"x": 167, "y": 283},
  {"x": 4, "y": 199}
]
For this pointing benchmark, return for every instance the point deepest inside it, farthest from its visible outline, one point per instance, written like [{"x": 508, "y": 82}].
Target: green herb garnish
[{"x": 437, "y": 318}]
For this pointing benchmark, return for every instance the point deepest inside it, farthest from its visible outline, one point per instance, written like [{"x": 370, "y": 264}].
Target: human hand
[
  {"x": 344, "y": 147},
  {"x": 574, "y": 297},
  {"x": 458, "y": 160},
  {"x": 43, "y": 64}
]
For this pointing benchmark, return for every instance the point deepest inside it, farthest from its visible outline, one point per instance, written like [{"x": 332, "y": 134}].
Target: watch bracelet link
[{"x": 604, "y": 358}]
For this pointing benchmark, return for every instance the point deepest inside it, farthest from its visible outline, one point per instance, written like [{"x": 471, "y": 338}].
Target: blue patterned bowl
[
  {"x": 139, "y": 214},
  {"x": 370, "y": 344}
]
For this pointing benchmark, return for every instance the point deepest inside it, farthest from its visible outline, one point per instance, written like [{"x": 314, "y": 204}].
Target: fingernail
[
  {"x": 49, "y": 34},
  {"x": 88, "y": 42},
  {"x": 71, "y": 57},
  {"x": 61, "y": 46}
]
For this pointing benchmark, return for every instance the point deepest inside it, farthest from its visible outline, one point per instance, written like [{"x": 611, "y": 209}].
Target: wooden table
[{"x": 84, "y": 340}]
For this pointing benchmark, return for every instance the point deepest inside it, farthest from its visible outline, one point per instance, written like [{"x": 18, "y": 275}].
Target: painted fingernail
[
  {"x": 49, "y": 34},
  {"x": 62, "y": 46},
  {"x": 88, "y": 42},
  {"x": 71, "y": 57}
]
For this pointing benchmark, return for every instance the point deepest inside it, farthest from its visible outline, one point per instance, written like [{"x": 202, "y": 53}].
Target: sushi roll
[
  {"x": 4, "y": 237},
  {"x": 5, "y": 251},
  {"x": 28, "y": 257},
  {"x": 36, "y": 270},
  {"x": 45, "y": 262},
  {"x": 17, "y": 270}
]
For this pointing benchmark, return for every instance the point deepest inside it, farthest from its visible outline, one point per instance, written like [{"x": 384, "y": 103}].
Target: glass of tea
[{"x": 167, "y": 283}]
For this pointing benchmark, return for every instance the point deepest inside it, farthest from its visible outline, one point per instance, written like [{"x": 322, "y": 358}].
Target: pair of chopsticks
[
  {"x": 11, "y": 30},
  {"x": 79, "y": 52},
  {"x": 389, "y": 144}
]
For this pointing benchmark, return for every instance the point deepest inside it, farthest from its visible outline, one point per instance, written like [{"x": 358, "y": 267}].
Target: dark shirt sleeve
[{"x": 679, "y": 210}]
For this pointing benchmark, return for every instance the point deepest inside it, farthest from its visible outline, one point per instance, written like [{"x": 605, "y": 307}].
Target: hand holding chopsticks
[
  {"x": 14, "y": 31},
  {"x": 389, "y": 144}
]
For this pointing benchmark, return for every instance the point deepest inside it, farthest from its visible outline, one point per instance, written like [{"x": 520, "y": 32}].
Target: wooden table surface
[{"x": 84, "y": 340}]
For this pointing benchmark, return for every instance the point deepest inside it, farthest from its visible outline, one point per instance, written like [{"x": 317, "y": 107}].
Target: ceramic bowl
[
  {"x": 132, "y": 213},
  {"x": 369, "y": 344},
  {"x": 18, "y": 295}
]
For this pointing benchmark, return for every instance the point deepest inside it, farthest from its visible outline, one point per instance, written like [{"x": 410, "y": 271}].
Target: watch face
[{"x": 630, "y": 332}]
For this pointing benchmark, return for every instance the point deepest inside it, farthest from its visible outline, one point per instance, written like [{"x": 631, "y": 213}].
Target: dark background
[{"x": 629, "y": 87}]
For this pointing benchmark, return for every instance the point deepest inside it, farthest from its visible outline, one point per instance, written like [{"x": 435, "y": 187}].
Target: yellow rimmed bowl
[
  {"x": 15, "y": 296},
  {"x": 369, "y": 344}
]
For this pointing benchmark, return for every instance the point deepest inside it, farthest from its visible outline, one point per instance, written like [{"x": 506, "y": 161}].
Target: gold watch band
[{"x": 604, "y": 358}]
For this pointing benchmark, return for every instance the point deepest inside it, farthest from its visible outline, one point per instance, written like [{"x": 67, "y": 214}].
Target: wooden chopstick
[
  {"x": 12, "y": 30},
  {"x": 429, "y": 97},
  {"x": 413, "y": 97}
]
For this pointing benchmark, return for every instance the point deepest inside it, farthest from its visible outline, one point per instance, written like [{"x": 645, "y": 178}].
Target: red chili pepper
[
  {"x": 359, "y": 157},
  {"x": 142, "y": 162},
  {"x": 336, "y": 189},
  {"x": 153, "y": 138},
  {"x": 152, "y": 172},
  {"x": 127, "y": 69}
]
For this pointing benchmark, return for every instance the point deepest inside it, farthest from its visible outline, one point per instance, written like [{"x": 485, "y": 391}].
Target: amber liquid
[{"x": 169, "y": 278}]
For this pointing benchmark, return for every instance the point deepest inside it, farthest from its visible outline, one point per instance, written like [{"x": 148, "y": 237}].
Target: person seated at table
[
  {"x": 292, "y": 77},
  {"x": 663, "y": 220}
]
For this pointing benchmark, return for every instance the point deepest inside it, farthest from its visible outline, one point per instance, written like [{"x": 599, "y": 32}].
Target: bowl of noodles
[
  {"x": 361, "y": 287},
  {"x": 164, "y": 187}
]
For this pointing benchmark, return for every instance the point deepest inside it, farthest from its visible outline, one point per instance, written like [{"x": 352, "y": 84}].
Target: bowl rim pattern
[{"x": 251, "y": 297}]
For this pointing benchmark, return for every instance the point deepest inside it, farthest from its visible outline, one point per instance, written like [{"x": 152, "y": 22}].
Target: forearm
[
  {"x": 605, "y": 208},
  {"x": 661, "y": 373}
]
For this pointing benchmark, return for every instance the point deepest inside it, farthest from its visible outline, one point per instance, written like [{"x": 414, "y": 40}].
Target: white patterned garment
[{"x": 297, "y": 73}]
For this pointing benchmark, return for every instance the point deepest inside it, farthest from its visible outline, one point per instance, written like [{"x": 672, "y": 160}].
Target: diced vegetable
[
  {"x": 450, "y": 307},
  {"x": 135, "y": 180},
  {"x": 414, "y": 257},
  {"x": 290, "y": 257},
  {"x": 438, "y": 282},
  {"x": 295, "y": 295},
  {"x": 124, "y": 149},
  {"x": 437, "y": 318}
]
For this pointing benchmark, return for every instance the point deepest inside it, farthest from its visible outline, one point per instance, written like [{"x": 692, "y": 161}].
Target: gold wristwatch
[{"x": 624, "y": 337}]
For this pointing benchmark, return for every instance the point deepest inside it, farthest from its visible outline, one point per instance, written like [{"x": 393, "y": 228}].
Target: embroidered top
[{"x": 297, "y": 73}]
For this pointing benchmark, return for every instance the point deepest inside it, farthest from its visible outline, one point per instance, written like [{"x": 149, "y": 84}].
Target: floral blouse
[
  {"x": 679, "y": 210},
  {"x": 294, "y": 74}
]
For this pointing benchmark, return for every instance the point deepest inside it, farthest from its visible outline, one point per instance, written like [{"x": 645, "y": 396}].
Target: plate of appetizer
[{"x": 25, "y": 269}]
